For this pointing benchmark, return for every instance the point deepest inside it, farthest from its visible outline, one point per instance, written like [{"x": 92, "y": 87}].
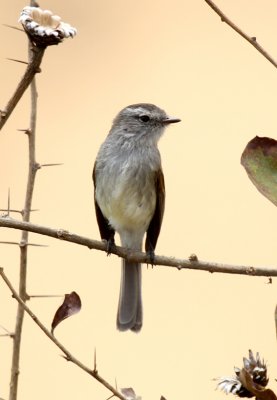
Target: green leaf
[{"x": 260, "y": 162}]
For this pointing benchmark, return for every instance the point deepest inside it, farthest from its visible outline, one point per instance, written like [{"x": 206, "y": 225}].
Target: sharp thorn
[
  {"x": 24, "y": 244},
  {"x": 16, "y": 211},
  {"x": 50, "y": 165},
  {"x": 27, "y": 131},
  {"x": 13, "y": 27},
  {"x": 6, "y": 242},
  {"x": 19, "y": 61},
  {"x": 9, "y": 198},
  {"x": 95, "y": 363},
  {"x": 6, "y": 330},
  {"x": 37, "y": 245},
  {"x": 45, "y": 295},
  {"x": 110, "y": 397},
  {"x": 65, "y": 356},
  {"x": 11, "y": 210}
]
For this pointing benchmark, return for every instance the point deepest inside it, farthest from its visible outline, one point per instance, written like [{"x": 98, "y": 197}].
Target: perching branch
[
  {"x": 67, "y": 355},
  {"x": 193, "y": 263},
  {"x": 251, "y": 40}
]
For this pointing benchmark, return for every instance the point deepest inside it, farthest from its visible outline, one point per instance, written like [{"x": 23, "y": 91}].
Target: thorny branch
[
  {"x": 67, "y": 355},
  {"x": 192, "y": 263},
  {"x": 33, "y": 167},
  {"x": 251, "y": 39}
]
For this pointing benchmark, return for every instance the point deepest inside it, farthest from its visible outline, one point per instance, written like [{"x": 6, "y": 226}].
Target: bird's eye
[{"x": 144, "y": 118}]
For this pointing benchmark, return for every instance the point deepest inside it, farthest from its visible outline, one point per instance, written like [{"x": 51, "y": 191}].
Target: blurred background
[{"x": 197, "y": 326}]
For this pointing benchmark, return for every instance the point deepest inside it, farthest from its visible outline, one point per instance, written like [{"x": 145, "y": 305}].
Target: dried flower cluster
[
  {"x": 257, "y": 370},
  {"x": 44, "y": 28}
]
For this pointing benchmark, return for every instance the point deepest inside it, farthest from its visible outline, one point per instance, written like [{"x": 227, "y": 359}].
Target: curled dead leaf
[{"x": 71, "y": 305}]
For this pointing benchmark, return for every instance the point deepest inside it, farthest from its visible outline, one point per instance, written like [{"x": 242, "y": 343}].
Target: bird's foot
[
  {"x": 151, "y": 257},
  {"x": 110, "y": 246}
]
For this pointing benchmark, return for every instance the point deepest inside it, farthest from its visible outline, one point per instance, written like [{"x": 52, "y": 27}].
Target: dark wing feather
[
  {"x": 106, "y": 231},
  {"x": 154, "y": 227}
]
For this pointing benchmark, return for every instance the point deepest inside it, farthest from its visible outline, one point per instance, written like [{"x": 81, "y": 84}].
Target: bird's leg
[
  {"x": 110, "y": 245},
  {"x": 151, "y": 256}
]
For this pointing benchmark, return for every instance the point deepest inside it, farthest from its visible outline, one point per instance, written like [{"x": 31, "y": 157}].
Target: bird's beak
[{"x": 171, "y": 120}]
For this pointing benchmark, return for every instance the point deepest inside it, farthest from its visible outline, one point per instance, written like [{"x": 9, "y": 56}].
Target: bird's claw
[
  {"x": 151, "y": 257},
  {"x": 110, "y": 246}
]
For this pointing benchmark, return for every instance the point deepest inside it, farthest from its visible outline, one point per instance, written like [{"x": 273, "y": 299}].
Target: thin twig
[
  {"x": 67, "y": 355},
  {"x": 35, "y": 57},
  {"x": 135, "y": 256},
  {"x": 251, "y": 39}
]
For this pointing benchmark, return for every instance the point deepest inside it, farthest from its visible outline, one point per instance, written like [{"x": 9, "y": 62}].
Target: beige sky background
[{"x": 197, "y": 326}]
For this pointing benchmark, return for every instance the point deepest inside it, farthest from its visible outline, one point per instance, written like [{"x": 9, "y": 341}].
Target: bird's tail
[{"x": 129, "y": 315}]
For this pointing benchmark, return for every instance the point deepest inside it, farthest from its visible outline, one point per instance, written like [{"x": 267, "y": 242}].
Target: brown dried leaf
[
  {"x": 259, "y": 391},
  {"x": 71, "y": 305}
]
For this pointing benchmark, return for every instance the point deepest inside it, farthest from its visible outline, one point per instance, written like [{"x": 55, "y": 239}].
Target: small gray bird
[{"x": 129, "y": 196}]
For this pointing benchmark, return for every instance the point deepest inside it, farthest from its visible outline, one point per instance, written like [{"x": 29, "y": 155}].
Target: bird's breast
[{"x": 126, "y": 195}]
